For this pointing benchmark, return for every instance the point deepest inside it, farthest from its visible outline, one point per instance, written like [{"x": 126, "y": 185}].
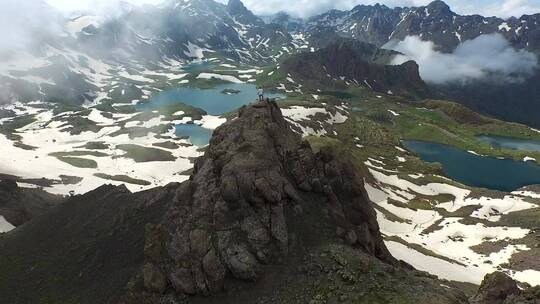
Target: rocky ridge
[
  {"x": 346, "y": 63},
  {"x": 235, "y": 214}
]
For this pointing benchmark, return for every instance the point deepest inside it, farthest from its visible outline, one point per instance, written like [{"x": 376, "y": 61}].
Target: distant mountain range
[
  {"x": 378, "y": 24},
  {"x": 436, "y": 22},
  {"x": 93, "y": 52}
]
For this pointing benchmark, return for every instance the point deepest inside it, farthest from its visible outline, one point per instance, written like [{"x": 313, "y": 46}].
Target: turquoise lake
[
  {"x": 500, "y": 142},
  {"x": 198, "y": 135},
  {"x": 198, "y": 66},
  {"x": 478, "y": 171},
  {"x": 214, "y": 101}
]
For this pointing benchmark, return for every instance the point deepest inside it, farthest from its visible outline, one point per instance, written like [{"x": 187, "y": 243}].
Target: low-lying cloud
[
  {"x": 486, "y": 56},
  {"x": 106, "y": 8},
  {"x": 24, "y": 23}
]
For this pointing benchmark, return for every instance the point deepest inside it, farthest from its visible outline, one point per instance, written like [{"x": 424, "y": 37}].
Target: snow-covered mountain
[
  {"x": 91, "y": 52},
  {"x": 378, "y": 24},
  {"x": 90, "y": 56},
  {"x": 438, "y": 24}
]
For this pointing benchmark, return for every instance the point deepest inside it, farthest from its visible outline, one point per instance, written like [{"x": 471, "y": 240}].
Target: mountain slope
[
  {"x": 93, "y": 55},
  {"x": 83, "y": 251},
  {"x": 347, "y": 63},
  {"x": 378, "y": 24},
  {"x": 142, "y": 49},
  {"x": 19, "y": 205},
  {"x": 436, "y": 22}
]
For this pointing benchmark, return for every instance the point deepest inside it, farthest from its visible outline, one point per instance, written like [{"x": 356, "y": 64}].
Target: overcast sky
[{"x": 501, "y": 8}]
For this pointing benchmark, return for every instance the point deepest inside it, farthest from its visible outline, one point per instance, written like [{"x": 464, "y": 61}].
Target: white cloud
[
  {"x": 487, "y": 55},
  {"x": 95, "y": 5},
  {"x": 23, "y": 23},
  {"x": 510, "y": 8}
]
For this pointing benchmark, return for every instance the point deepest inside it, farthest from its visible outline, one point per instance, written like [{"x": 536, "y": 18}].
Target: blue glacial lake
[
  {"x": 478, "y": 171},
  {"x": 214, "y": 101},
  {"x": 499, "y": 142},
  {"x": 198, "y": 135}
]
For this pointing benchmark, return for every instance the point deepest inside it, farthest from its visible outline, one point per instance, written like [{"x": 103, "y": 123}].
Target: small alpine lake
[
  {"x": 221, "y": 99},
  {"x": 475, "y": 170},
  {"x": 198, "y": 135}
]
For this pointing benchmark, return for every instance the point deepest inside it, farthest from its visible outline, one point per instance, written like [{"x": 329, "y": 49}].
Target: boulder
[{"x": 495, "y": 289}]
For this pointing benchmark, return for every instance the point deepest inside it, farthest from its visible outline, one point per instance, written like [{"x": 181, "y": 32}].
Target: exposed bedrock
[{"x": 241, "y": 207}]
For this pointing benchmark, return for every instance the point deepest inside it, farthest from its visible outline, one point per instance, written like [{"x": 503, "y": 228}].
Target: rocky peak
[
  {"x": 238, "y": 10},
  {"x": 371, "y": 8},
  {"x": 439, "y": 8},
  {"x": 236, "y": 7},
  {"x": 247, "y": 206}
]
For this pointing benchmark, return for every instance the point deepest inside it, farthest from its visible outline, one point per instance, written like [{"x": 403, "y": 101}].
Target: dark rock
[
  {"x": 87, "y": 248},
  {"x": 235, "y": 213},
  {"x": 495, "y": 289},
  {"x": 154, "y": 280},
  {"x": 499, "y": 288},
  {"x": 356, "y": 60},
  {"x": 20, "y": 205},
  {"x": 182, "y": 281},
  {"x": 8, "y": 185}
]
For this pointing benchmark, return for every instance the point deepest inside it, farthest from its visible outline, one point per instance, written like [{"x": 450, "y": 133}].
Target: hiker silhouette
[{"x": 260, "y": 93}]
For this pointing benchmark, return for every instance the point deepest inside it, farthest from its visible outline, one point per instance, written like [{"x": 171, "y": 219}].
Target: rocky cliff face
[
  {"x": 241, "y": 208},
  {"x": 358, "y": 64}
]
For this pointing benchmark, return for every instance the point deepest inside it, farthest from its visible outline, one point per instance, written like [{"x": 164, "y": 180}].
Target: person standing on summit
[{"x": 260, "y": 93}]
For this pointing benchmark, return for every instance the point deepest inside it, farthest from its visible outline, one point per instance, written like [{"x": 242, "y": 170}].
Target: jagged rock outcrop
[
  {"x": 495, "y": 288},
  {"x": 499, "y": 288},
  {"x": 239, "y": 209}
]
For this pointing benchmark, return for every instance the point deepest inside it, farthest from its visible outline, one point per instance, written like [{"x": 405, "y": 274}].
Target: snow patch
[
  {"x": 5, "y": 226},
  {"x": 220, "y": 77}
]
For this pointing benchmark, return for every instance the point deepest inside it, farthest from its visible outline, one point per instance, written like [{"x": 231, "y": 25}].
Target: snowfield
[
  {"x": 48, "y": 135},
  {"x": 219, "y": 77},
  {"x": 299, "y": 116},
  {"x": 447, "y": 241},
  {"x": 5, "y": 226}
]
